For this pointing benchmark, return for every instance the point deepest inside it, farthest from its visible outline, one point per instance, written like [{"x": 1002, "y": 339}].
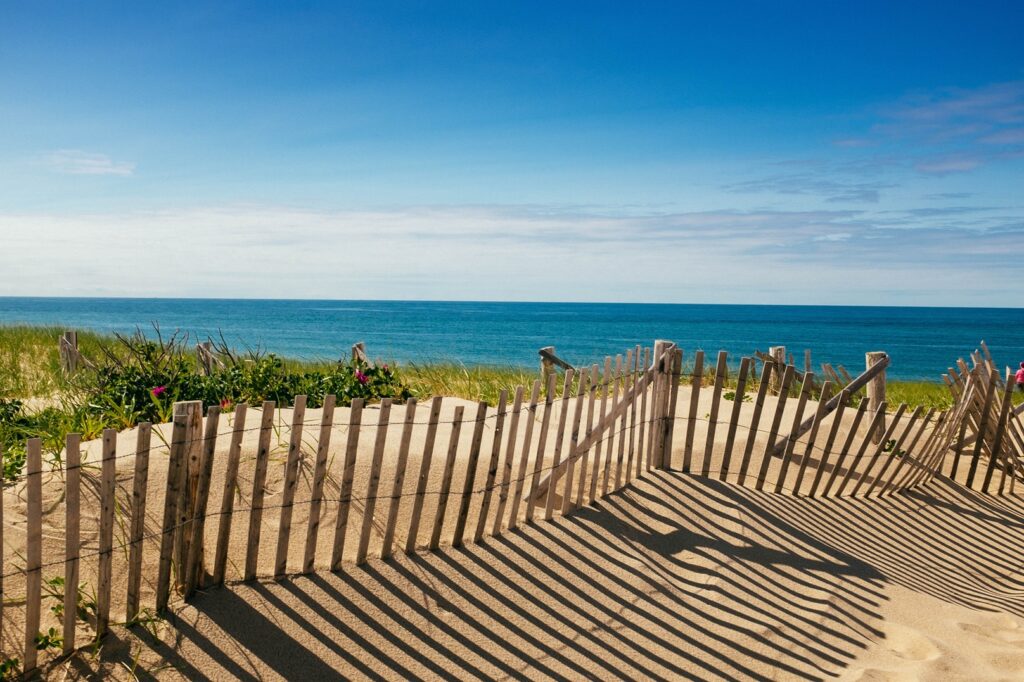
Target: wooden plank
[
  {"x": 227, "y": 497},
  {"x": 259, "y": 482},
  {"x": 734, "y": 418},
  {"x": 837, "y": 421},
  {"x": 136, "y": 530},
  {"x": 2, "y": 562},
  {"x": 1001, "y": 424},
  {"x": 716, "y": 398},
  {"x": 924, "y": 462},
  {"x": 982, "y": 425},
  {"x": 538, "y": 463},
  {"x": 879, "y": 447},
  {"x": 175, "y": 480},
  {"x": 621, "y": 432},
  {"x": 187, "y": 495},
  {"x": 106, "y": 536},
  {"x": 643, "y": 457},
  {"x": 669, "y": 421},
  {"x": 780, "y": 407},
  {"x": 424, "y": 475},
  {"x": 195, "y": 569},
  {"x": 373, "y": 484},
  {"x": 847, "y": 444},
  {"x": 323, "y": 447},
  {"x": 659, "y": 386},
  {"x": 387, "y": 546},
  {"x": 347, "y": 477},
  {"x": 472, "y": 464},
  {"x": 819, "y": 415},
  {"x": 876, "y": 423},
  {"x": 631, "y": 447},
  {"x": 559, "y": 442},
  {"x": 598, "y": 445},
  {"x": 691, "y": 420},
  {"x": 291, "y": 479},
  {"x": 509, "y": 461},
  {"x": 897, "y": 441},
  {"x": 492, "y": 466},
  {"x": 787, "y": 457},
  {"x": 614, "y": 386},
  {"x": 520, "y": 480},
  {"x": 755, "y": 421},
  {"x": 909, "y": 457},
  {"x": 33, "y": 549},
  {"x": 574, "y": 442},
  {"x": 592, "y": 382},
  {"x": 446, "y": 478},
  {"x": 72, "y": 536}
]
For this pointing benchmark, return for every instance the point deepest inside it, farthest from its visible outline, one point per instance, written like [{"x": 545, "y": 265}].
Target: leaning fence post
[
  {"x": 778, "y": 353},
  {"x": 204, "y": 354},
  {"x": 68, "y": 348},
  {"x": 547, "y": 368},
  {"x": 876, "y": 389}
]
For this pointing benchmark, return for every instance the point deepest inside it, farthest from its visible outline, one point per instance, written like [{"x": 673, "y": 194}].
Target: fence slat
[
  {"x": 847, "y": 444},
  {"x": 106, "y": 536},
  {"x": 819, "y": 416},
  {"x": 33, "y": 548},
  {"x": 897, "y": 441},
  {"x": 347, "y": 477},
  {"x": 592, "y": 382},
  {"x": 598, "y": 446},
  {"x": 1004, "y": 415},
  {"x": 787, "y": 456},
  {"x": 879, "y": 447},
  {"x": 196, "y": 569},
  {"x": 446, "y": 477},
  {"x": 574, "y": 441},
  {"x": 471, "y": 466},
  {"x": 716, "y": 399},
  {"x": 559, "y": 441},
  {"x": 876, "y": 423},
  {"x": 492, "y": 466},
  {"x": 72, "y": 536},
  {"x": 631, "y": 448},
  {"x": 922, "y": 462},
  {"x": 509, "y": 461},
  {"x": 643, "y": 460},
  {"x": 622, "y": 433},
  {"x": 373, "y": 484},
  {"x": 734, "y": 418},
  {"x": 982, "y": 427},
  {"x": 542, "y": 442},
  {"x": 323, "y": 448},
  {"x": 911, "y": 448},
  {"x": 137, "y": 526},
  {"x": 2, "y": 562},
  {"x": 424, "y": 474},
  {"x": 675, "y": 370},
  {"x": 691, "y": 420},
  {"x": 259, "y": 482},
  {"x": 291, "y": 478},
  {"x": 175, "y": 481},
  {"x": 227, "y": 498},
  {"x": 659, "y": 386},
  {"x": 755, "y": 420},
  {"x": 399, "y": 481},
  {"x": 520, "y": 481},
  {"x": 780, "y": 407},
  {"x": 837, "y": 421}
]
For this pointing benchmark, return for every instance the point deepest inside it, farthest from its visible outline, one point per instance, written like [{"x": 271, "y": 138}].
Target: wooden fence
[{"x": 155, "y": 513}]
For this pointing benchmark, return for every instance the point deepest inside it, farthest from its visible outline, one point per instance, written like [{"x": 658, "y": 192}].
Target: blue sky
[{"x": 673, "y": 152}]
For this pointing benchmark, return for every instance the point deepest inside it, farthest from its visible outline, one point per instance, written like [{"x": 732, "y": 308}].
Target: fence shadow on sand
[{"x": 673, "y": 576}]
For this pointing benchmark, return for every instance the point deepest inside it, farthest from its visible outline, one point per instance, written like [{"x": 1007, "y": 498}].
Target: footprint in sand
[{"x": 1001, "y": 628}]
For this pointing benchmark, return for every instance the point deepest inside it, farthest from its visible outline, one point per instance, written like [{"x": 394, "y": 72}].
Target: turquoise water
[{"x": 921, "y": 341}]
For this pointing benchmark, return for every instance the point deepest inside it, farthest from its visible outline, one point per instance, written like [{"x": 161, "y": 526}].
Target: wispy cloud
[
  {"x": 832, "y": 190},
  {"x": 78, "y": 162}
]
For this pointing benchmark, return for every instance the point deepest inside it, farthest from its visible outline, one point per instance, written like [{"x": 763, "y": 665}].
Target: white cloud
[{"x": 78, "y": 162}]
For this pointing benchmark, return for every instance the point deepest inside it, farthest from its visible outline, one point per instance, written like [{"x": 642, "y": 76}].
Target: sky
[{"x": 755, "y": 152}]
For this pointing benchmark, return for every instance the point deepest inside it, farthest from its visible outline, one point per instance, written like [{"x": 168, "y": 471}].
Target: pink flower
[
  {"x": 159, "y": 390},
  {"x": 225, "y": 404},
  {"x": 361, "y": 377}
]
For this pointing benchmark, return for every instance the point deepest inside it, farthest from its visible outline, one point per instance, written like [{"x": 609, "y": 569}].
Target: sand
[{"x": 676, "y": 576}]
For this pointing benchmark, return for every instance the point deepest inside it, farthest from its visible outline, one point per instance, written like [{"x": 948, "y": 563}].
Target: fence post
[
  {"x": 68, "y": 348},
  {"x": 876, "y": 389},
  {"x": 779, "y": 354},
  {"x": 204, "y": 354},
  {"x": 673, "y": 370},
  {"x": 192, "y": 412},
  {"x": 547, "y": 368}
]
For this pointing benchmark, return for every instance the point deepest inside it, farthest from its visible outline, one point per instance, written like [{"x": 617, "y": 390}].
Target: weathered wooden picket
[{"x": 151, "y": 532}]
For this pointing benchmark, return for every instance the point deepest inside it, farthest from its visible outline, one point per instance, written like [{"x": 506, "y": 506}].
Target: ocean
[{"x": 922, "y": 342}]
